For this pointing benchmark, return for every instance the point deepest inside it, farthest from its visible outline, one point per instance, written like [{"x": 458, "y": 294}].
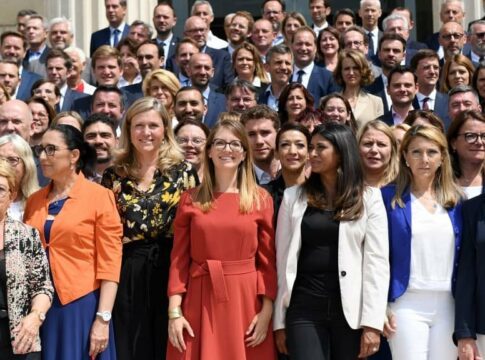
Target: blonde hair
[
  {"x": 392, "y": 168},
  {"x": 29, "y": 183},
  {"x": 168, "y": 80},
  {"x": 250, "y": 196},
  {"x": 8, "y": 173},
  {"x": 169, "y": 154},
  {"x": 258, "y": 64},
  {"x": 448, "y": 193},
  {"x": 73, "y": 114},
  {"x": 229, "y": 115}
]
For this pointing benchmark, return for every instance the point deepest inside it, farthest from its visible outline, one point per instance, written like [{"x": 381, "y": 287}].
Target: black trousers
[{"x": 322, "y": 335}]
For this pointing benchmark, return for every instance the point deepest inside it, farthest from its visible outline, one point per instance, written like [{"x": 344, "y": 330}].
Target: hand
[
  {"x": 390, "y": 325},
  {"x": 176, "y": 332},
  {"x": 99, "y": 337},
  {"x": 258, "y": 328},
  {"x": 25, "y": 333},
  {"x": 280, "y": 339},
  {"x": 467, "y": 350},
  {"x": 131, "y": 62},
  {"x": 369, "y": 342}
]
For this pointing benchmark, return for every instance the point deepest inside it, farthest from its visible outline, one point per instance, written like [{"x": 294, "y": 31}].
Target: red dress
[{"x": 222, "y": 262}]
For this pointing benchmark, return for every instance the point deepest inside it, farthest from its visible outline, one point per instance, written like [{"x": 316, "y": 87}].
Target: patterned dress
[{"x": 140, "y": 311}]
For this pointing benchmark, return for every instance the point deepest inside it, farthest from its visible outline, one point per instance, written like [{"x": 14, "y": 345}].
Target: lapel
[{"x": 406, "y": 210}]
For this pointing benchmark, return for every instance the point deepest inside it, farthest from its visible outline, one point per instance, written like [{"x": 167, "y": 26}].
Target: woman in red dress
[{"x": 223, "y": 270}]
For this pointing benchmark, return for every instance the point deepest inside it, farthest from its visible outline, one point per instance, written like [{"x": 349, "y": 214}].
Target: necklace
[{"x": 428, "y": 199}]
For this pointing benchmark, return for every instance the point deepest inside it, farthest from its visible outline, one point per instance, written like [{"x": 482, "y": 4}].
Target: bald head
[
  {"x": 15, "y": 117},
  {"x": 196, "y": 29},
  {"x": 200, "y": 70}
]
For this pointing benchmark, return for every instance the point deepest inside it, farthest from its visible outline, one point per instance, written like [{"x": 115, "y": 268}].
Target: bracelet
[{"x": 175, "y": 313}]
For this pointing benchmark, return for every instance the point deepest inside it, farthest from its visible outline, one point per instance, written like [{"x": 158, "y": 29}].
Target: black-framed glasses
[
  {"x": 196, "y": 141},
  {"x": 480, "y": 35},
  {"x": 11, "y": 160},
  {"x": 49, "y": 150},
  {"x": 234, "y": 145},
  {"x": 471, "y": 137},
  {"x": 456, "y": 36}
]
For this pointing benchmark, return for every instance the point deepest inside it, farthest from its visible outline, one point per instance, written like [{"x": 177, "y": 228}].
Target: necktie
[
  {"x": 116, "y": 37},
  {"x": 371, "y": 51},
  {"x": 300, "y": 74},
  {"x": 481, "y": 59},
  {"x": 425, "y": 103}
]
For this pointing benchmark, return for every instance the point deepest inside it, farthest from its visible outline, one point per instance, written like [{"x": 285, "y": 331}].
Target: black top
[{"x": 276, "y": 189}]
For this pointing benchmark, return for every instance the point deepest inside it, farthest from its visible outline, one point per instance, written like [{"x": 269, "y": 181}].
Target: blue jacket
[
  {"x": 215, "y": 105},
  {"x": 399, "y": 222},
  {"x": 102, "y": 37},
  {"x": 321, "y": 83}
]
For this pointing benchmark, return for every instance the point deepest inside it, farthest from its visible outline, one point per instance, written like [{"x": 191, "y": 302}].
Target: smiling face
[
  {"x": 336, "y": 111},
  {"x": 7, "y": 151},
  {"x": 295, "y": 104},
  {"x": 107, "y": 71},
  {"x": 115, "y": 12},
  {"x": 280, "y": 68},
  {"x": 192, "y": 140},
  {"x": 328, "y": 44},
  {"x": 304, "y": 48},
  {"x": 470, "y": 153},
  {"x": 292, "y": 151},
  {"x": 238, "y": 30},
  {"x": 160, "y": 92},
  {"x": 245, "y": 65},
  {"x": 40, "y": 118},
  {"x": 291, "y": 26},
  {"x": 402, "y": 88},
  {"x": 226, "y": 151},
  {"x": 47, "y": 91},
  {"x": 100, "y": 136},
  {"x": 262, "y": 137},
  {"x": 147, "y": 132},
  {"x": 60, "y": 164},
  {"x": 375, "y": 150}
]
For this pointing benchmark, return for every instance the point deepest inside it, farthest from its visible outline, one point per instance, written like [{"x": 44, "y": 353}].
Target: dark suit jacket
[
  {"x": 131, "y": 94},
  {"x": 321, "y": 83},
  {"x": 376, "y": 87},
  {"x": 69, "y": 98},
  {"x": 433, "y": 42},
  {"x": 470, "y": 283},
  {"x": 387, "y": 118},
  {"x": 467, "y": 51},
  {"x": 440, "y": 108},
  {"x": 223, "y": 72},
  {"x": 28, "y": 79},
  {"x": 171, "y": 47},
  {"x": 415, "y": 45},
  {"x": 101, "y": 37},
  {"x": 215, "y": 105},
  {"x": 41, "y": 60},
  {"x": 83, "y": 105}
]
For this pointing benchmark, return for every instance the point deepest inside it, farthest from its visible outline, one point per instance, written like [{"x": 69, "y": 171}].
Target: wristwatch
[
  {"x": 104, "y": 315},
  {"x": 40, "y": 314}
]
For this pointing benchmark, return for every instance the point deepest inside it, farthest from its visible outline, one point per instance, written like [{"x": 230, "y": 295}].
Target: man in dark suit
[
  {"x": 164, "y": 20},
  {"x": 189, "y": 104},
  {"x": 36, "y": 34},
  {"x": 13, "y": 46},
  {"x": 452, "y": 39},
  {"x": 58, "y": 66},
  {"x": 109, "y": 100},
  {"x": 370, "y": 11},
  {"x": 408, "y": 16},
  {"x": 476, "y": 34},
  {"x": 240, "y": 29},
  {"x": 200, "y": 71},
  {"x": 184, "y": 50},
  {"x": 318, "y": 80},
  {"x": 426, "y": 66},
  {"x": 196, "y": 29},
  {"x": 117, "y": 29},
  {"x": 398, "y": 24},
  {"x": 319, "y": 10}
]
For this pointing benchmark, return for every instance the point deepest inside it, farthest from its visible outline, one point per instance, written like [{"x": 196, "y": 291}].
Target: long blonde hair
[
  {"x": 249, "y": 193},
  {"x": 169, "y": 154},
  {"x": 448, "y": 193}
]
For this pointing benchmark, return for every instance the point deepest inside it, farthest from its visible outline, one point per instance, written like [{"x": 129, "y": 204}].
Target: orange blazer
[{"x": 85, "y": 241}]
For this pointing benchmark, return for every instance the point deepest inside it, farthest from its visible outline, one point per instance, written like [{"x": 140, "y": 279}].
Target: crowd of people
[{"x": 297, "y": 190}]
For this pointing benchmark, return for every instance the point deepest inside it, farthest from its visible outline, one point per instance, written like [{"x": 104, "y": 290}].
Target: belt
[{"x": 217, "y": 269}]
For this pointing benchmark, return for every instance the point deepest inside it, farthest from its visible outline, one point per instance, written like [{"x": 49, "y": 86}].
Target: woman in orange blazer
[{"x": 81, "y": 230}]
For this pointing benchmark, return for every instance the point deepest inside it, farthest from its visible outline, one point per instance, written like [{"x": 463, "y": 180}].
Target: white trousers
[{"x": 425, "y": 321}]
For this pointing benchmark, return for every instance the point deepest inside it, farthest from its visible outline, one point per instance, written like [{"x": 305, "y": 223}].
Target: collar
[
  {"x": 317, "y": 29},
  {"x": 183, "y": 78},
  {"x": 38, "y": 52},
  {"x": 206, "y": 93},
  {"x": 431, "y": 96},
  {"x": 75, "y": 192},
  {"x": 307, "y": 69},
  {"x": 374, "y": 32},
  {"x": 119, "y": 28},
  {"x": 474, "y": 57},
  {"x": 167, "y": 41},
  {"x": 63, "y": 89}
]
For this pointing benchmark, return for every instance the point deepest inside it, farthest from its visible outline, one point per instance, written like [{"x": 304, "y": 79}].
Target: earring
[{"x": 407, "y": 164}]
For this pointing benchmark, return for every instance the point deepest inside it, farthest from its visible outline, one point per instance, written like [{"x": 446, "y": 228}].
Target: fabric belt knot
[{"x": 217, "y": 269}]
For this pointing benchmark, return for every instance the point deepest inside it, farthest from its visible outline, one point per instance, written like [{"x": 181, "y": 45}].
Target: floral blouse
[{"x": 148, "y": 215}]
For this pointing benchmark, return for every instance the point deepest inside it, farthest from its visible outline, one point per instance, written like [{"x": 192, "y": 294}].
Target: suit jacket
[
  {"x": 387, "y": 118},
  {"x": 467, "y": 51},
  {"x": 433, "y": 42},
  {"x": 440, "y": 108},
  {"x": 69, "y": 98},
  {"x": 223, "y": 72},
  {"x": 132, "y": 93},
  {"x": 216, "y": 103},
  {"x": 400, "y": 230},
  {"x": 38, "y": 66},
  {"x": 415, "y": 45},
  {"x": 27, "y": 79},
  {"x": 470, "y": 282},
  {"x": 83, "y": 105},
  {"x": 85, "y": 239},
  {"x": 102, "y": 37},
  {"x": 27, "y": 272},
  {"x": 376, "y": 87},
  {"x": 363, "y": 259},
  {"x": 171, "y": 48},
  {"x": 368, "y": 107},
  {"x": 321, "y": 83}
]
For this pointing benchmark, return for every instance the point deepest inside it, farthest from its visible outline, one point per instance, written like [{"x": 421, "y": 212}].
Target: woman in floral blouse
[{"x": 147, "y": 178}]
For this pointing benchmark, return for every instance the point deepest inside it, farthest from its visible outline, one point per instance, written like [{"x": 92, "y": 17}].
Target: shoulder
[
  {"x": 19, "y": 227},
  {"x": 293, "y": 193},
  {"x": 372, "y": 195},
  {"x": 471, "y": 207},
  {"x": 100, "y": 33}
]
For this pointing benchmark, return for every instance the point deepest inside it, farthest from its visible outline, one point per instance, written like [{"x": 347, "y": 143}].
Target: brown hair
[{"x": 366, "y": 76}]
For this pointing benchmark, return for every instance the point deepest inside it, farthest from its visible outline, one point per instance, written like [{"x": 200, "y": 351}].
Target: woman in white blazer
[{"x": 332, "y": 256}]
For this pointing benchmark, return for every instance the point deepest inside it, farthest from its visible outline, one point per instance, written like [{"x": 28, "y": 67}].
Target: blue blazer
[
  {"x": 131, "y": 93},
  {"x": 440, "y": 108},
  {"x": 69, "y": 98},
  {"x": 376, "y": 87},
  {"x": 102, "y": 37},
  {"x": 215, "y": 105},
  {"x": 399, "y": 223},
  {"x": 321, "y": 83},
  {"x": 27, "y": 79},
  {"x": 83, "y": 105},
  {"x": 415, "y": 45}
]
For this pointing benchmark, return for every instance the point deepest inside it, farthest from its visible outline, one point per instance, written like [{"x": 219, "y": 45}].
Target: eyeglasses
[
  {"x": 456, "y": 36},
  {"x": 472, "y": 138},
  {"x": 196, "y": 141},
  {"x": 349, "y": 44},
  {"x": 480, "y": 35},
  {"x": 11, "y": 160},
  {"x": 50, "y": 150},
  {"x": 234, "y": 145}
]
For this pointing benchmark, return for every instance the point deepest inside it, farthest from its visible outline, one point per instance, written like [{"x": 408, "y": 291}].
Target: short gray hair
[
  {"x": 78, "y": 51},
  {"x": 446, "y": 2},
  {"x": 459, "y": 89},
  {"x": 395, "y": 17},
  {"x": 61, "y": 20},
  {"x": 376, "y": 2},
  {"x": 201, "y": 2},
  {"x": 147, "y": 27}
]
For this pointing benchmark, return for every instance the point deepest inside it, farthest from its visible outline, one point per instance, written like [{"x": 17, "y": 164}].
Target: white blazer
[{"x": 363, "y": 259}]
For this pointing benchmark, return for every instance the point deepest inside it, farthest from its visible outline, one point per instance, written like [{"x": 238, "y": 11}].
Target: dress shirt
[
  {"x": 63, "y": 90},
  {"x": 272, "y": 100},
  {"x": 206, "y": 93},
  {"x": 215, "y": 42},
  {"x": 396, "y": 118},
  {"x": 122, "y": 82},
  {"x": 231, "y": 49},
  {"x": 112, "y": 33},
  {"x": 166, "y": 46},
  {"x": 475, "y": 58},
  {"x": 306, "y": 76},
  {"x": 184, "y": 80},
  {"x": 317, "y": 29},
  {"x": 375, "y": 38},
  {"x": 279, "y": 39},
  {"x": 431, "y": 99},
  {"x": 35, "y": 55},
  {"x": 262, "y": 176}
]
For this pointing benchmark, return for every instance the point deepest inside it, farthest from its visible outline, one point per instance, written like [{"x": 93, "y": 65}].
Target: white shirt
[
  {"x": 166, "y": 47},
  {"x": 317, "y": 29},
  {"x": 306, "y": 76},
  {"x": 16, "y": 210},
  {"x": 432, "y": 248},
  {"x": 112, "y": 32},
  {"x": 215, "y": 42},
  {"x": 431, "y": 101},
  {"x": 385, "y": 81},
  {"x": 122, "y": 82},
  {"x": 375, "y": 38},
  {"x": 63, "y": 91},
  {"x": 472, "y": 191}
]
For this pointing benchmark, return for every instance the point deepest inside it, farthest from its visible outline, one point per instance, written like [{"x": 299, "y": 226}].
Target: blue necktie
[{"x": 116, "y": 37}]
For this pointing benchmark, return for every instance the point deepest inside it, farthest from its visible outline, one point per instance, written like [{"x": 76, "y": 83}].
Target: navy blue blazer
[
  {"x": 223, "y": 72},
  {"x": 83, "y": 105},
  {"x": 470, "y": 283},
  {"x": 27, "y": 79},
  {"x": 69, "y": 98},
  {"x": 440, "y": 108},
  {"x": 102, "y": 37},
  {"x": 216, "y": 103},
  {"x": 171, "y": 47},
  {"x": 321, "y": 83},
  {"x": 399, "y": 223},
  {"x": 415, "y": 45},
  {"x": 433, "y": 42},
  {"x": 131, "y": 93},
  {"x": 376, "y": 87},
  {"x": 42, "y": 59}
]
